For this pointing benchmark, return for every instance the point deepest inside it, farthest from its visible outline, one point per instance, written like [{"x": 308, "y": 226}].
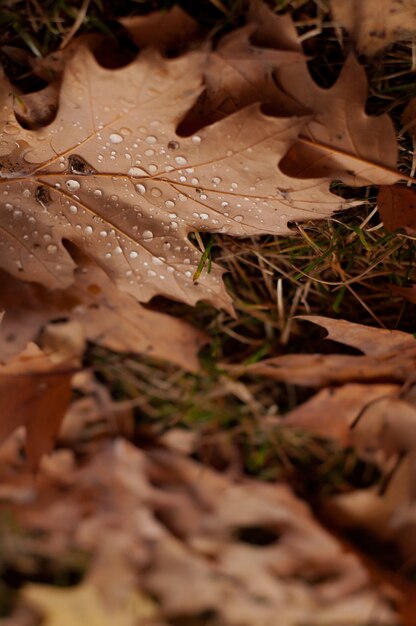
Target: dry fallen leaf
[
  {"x": 340, "y": 140},
  {"x": 376, "y": 420},
  {"x": 371, "y": 341},
  {"x": 374, "y": 24},
  {"x": 332, "y": 411},
  {"x": 317, "y": 370},
  {"x": 389, "y": 355},
  {"x": 263, "y": 61},
  {"x": 111, "y": 175},
  {"x": 35, "y": 393},
  {"x": 108, "y": 317},
  {"x": 238, "y": 72},
  {"x": 397, "y": 208}
]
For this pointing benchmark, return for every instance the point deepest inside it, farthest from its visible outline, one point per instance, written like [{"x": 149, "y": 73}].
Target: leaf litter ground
[{"x": 244, "y": 409}]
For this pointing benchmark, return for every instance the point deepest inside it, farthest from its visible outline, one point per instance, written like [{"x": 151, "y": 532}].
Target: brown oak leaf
[
  {"x": 111, "y": 175},
  {"x": 263, "y": 62},
  {"x": 108, "y": 317},
  {"x": 389, "y": 355},
  {"x": 340, "y": 140},
  {"x": 241, "y": 69}
]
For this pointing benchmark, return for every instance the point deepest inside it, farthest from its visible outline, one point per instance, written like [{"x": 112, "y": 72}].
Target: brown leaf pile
[
  {"x": 364, "y": 401},
  {"x": 97, "y": 210},
  {"x": 197, "y": 541},
  {"x": 140, "y": 157}
]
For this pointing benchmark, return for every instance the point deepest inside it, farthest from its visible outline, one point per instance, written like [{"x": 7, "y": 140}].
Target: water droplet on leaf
[
  {"x": 72, "y": 185},
  {"x": 140, "y": 188},
  {"x": 116, "y": 138}
]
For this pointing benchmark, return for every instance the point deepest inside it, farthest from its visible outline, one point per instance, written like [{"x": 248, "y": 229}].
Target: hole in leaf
[
  {"x": 42, "y": 195},
  {"x": 78, "y": 165}
]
